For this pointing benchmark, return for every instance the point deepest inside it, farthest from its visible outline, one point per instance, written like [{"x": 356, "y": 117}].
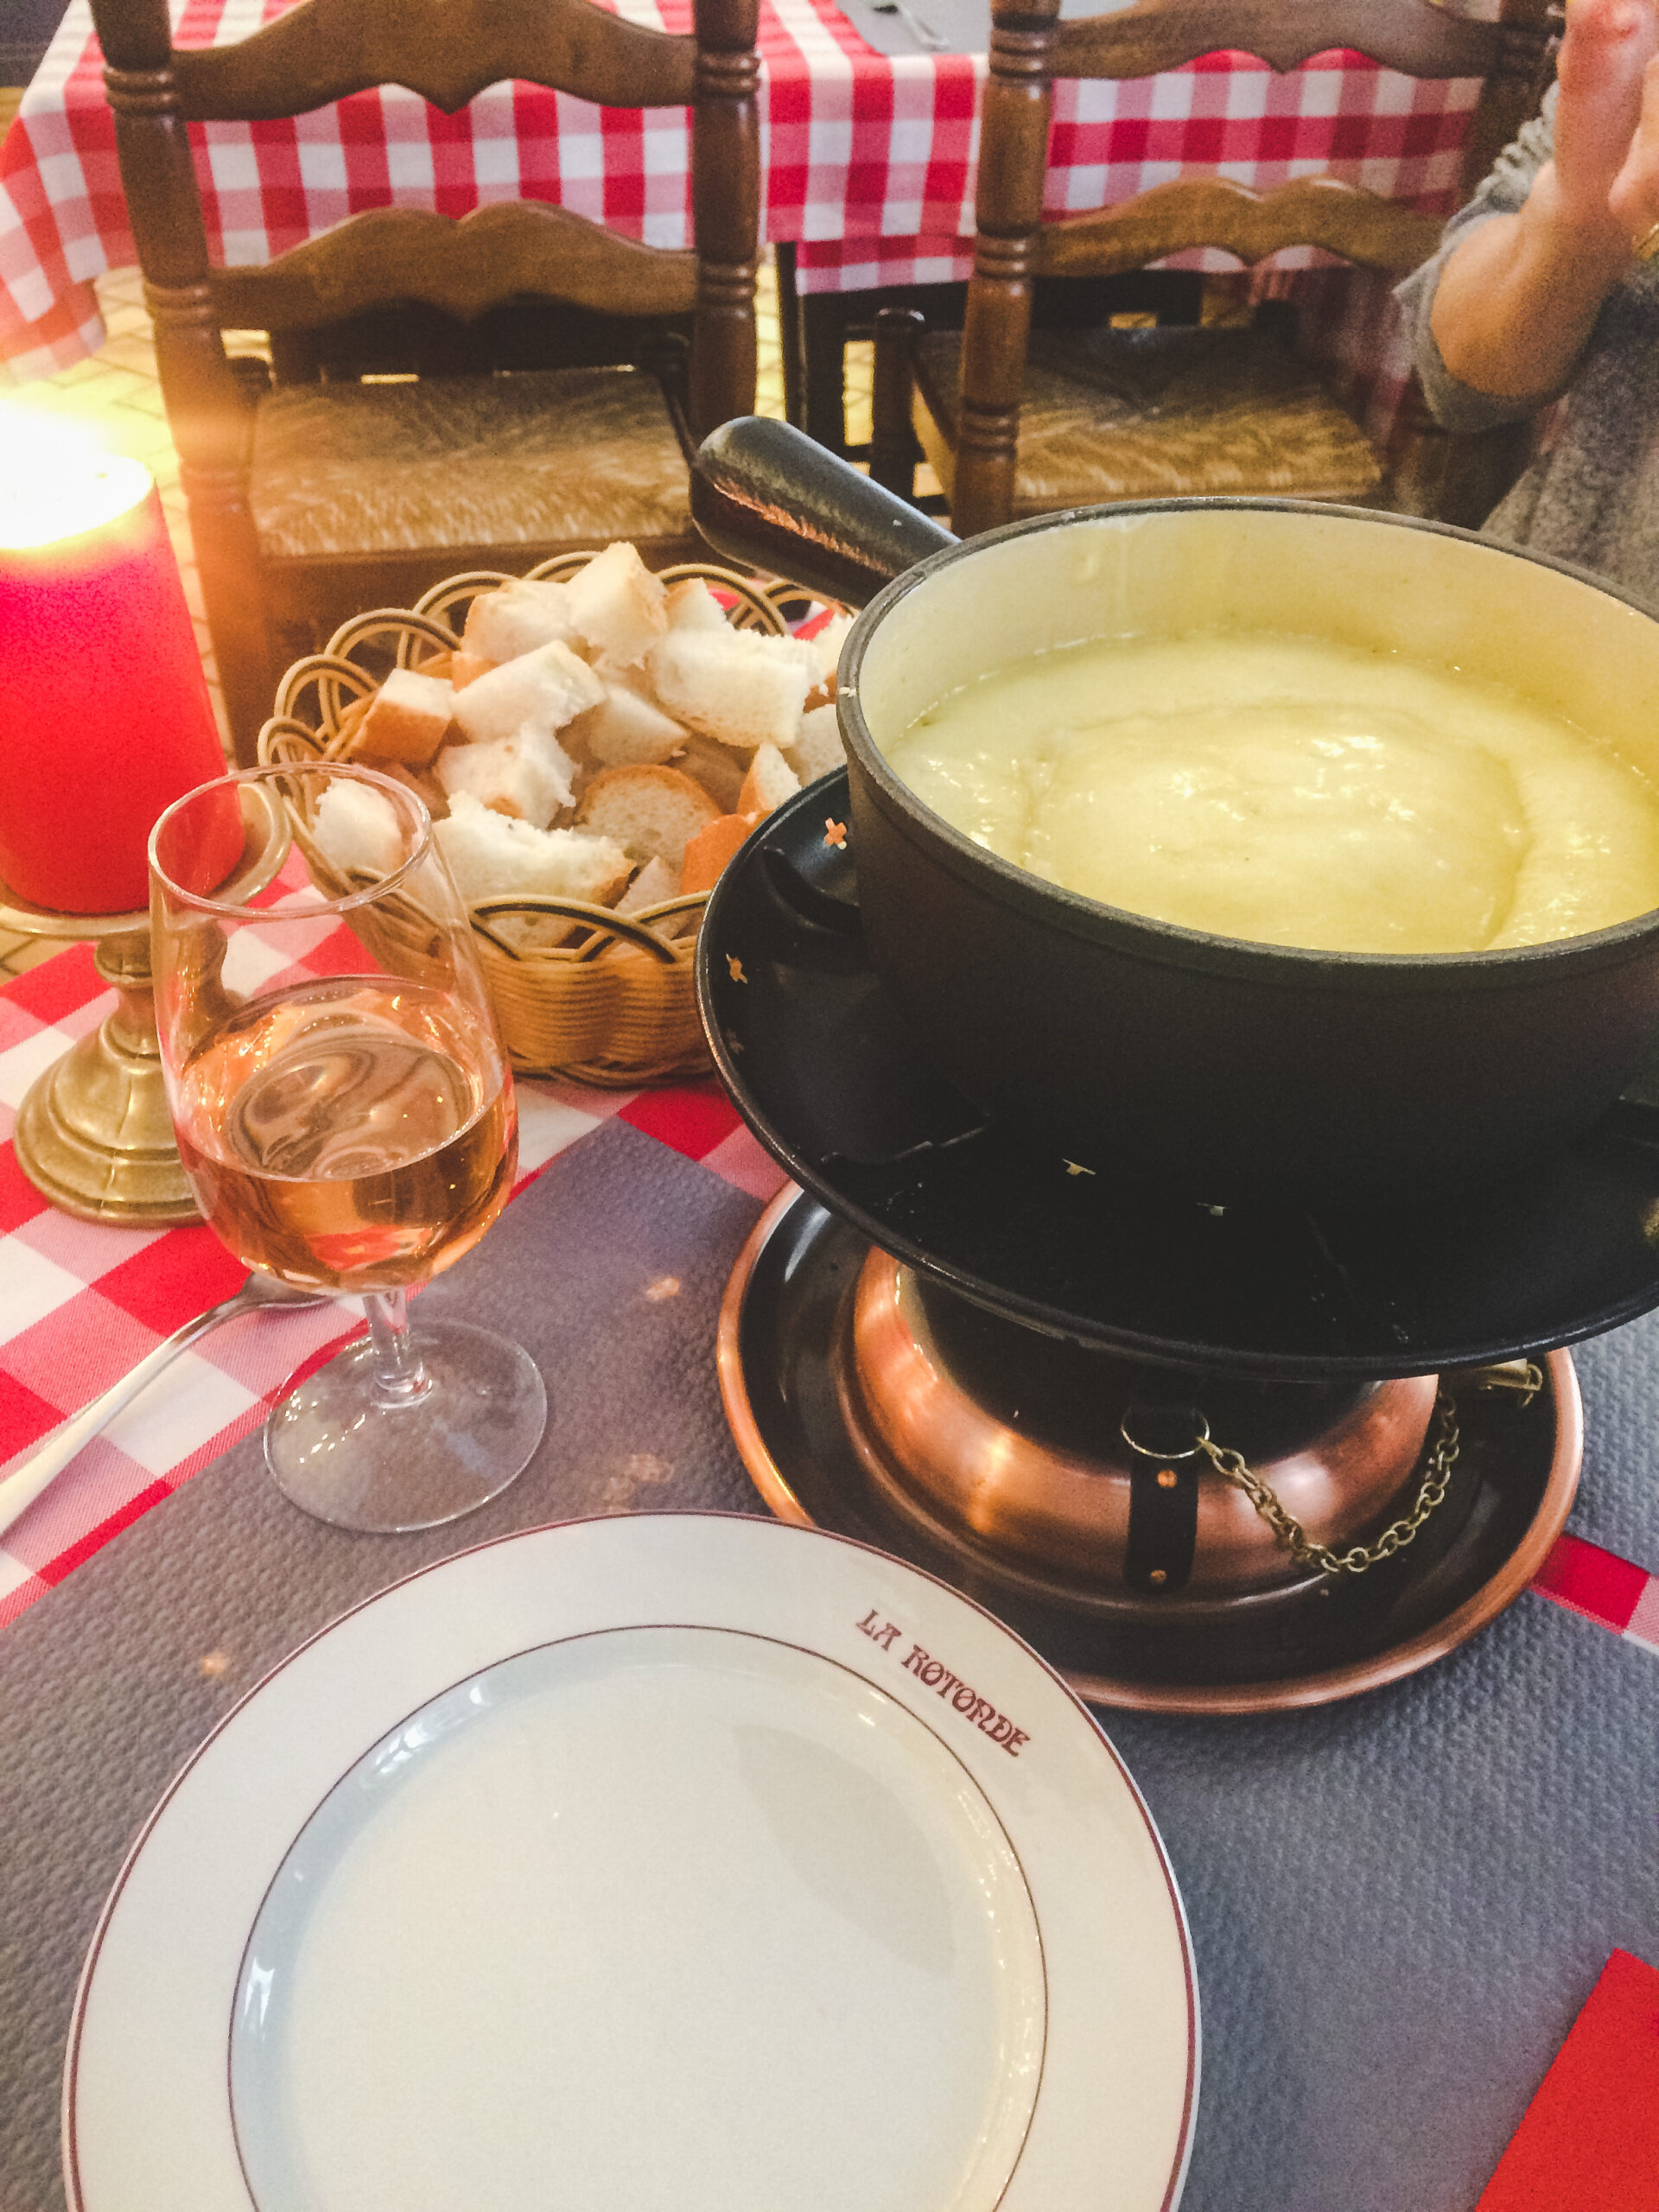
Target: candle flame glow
[{"x": 57, "y": 482}]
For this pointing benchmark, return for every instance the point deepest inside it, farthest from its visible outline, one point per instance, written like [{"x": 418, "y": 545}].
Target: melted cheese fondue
[{"x": 1293, "y": 792}]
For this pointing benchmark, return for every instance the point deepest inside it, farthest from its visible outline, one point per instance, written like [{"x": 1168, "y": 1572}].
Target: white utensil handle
[{"x": 19, "y": 1490}]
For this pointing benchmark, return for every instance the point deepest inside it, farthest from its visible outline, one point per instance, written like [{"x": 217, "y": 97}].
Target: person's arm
[{"x": 1517, "y": 299}]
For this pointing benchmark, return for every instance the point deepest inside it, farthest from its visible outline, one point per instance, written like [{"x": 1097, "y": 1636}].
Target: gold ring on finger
[{"x": 1647, "y": 245}]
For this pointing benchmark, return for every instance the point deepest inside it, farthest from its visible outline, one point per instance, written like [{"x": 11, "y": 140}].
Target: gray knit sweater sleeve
[{"x": 1458, "y": 407}]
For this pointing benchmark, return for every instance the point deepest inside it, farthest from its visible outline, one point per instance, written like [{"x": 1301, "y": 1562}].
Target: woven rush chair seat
[
  {"x": 1154, "y": 414},
  {"x": 437, "y": 394},
  {"x": 513, "y": 460},
  {"x": 1017, "y": 420}
]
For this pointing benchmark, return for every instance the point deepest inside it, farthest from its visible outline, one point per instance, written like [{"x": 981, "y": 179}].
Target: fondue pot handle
[{"x": 765, "y": 493}]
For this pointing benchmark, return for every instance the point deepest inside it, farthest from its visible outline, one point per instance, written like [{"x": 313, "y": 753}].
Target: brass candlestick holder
[{"x": 94, "y": 1134}]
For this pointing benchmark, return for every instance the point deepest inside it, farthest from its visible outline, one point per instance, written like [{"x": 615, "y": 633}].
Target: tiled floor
[{"x": 116, "y": 391}]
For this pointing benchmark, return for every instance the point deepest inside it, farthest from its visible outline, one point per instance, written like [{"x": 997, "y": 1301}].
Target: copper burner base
[
  {"x": 992, "y": 1505},
  {"x": 1010, "y": 1447}
]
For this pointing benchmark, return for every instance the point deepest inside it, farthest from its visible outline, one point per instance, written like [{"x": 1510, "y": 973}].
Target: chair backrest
[
  {"x": 393, "y": 259},
  {"x": 1030, "y": 46}
]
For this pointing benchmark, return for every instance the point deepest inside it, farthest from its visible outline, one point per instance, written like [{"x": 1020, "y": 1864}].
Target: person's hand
[
  {"x": 1608, "y": 46},
  {"x": 1634, "y": 199}
]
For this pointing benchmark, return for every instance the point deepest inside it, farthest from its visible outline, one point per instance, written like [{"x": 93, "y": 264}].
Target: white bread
[
  {"x": 692, "y": 605},
  {"x": 770, "y": 781},
  {"x": 491, "y": 856},
  {"x": 745, "y": 689},
  {"x": 465, "y": 668},
  {"x": 541, "y": 691},
  {"x": 710, "y": 851},
  {"x": 357, "y": 828},
  {"x": 628, "y": 728},
  {"x": 818, "y": 749},
  {"x": 656, "y": 881},
  {"x": 533, "y": 932},
  {"x": 529, "y": 775},
  {"x": 826, "y": 644},
  {"x": 651, "y": 811},
  {"x": 618, "y": 606},
  {"x": 406, "y": 720},
  {"x": 424, "y": 783},
  {"x": 518, "y": 618},
  {"x": 715, "y": 766}
]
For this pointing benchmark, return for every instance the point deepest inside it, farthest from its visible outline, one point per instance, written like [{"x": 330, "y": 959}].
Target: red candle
[{"x": 105, "y": 717}]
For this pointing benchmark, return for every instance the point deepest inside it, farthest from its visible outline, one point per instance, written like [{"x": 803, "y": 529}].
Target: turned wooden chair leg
[
  {"x": 894, "y": 450},
  {"x": 234, "y": 597}
]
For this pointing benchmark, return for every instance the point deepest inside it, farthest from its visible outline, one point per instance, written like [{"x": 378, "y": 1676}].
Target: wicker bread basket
[{"x": 613, "y": 1005}]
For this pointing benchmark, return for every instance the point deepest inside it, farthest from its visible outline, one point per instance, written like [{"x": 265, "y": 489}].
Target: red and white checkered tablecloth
[
  {"x": 869, "y": 161},
  {"x": 81, "y": 1305}
]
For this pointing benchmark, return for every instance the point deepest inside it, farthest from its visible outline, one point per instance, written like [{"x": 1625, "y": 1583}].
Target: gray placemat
[
  {"x": 107, "y": 1685},
  {"x": 1397, "y": 1904}
]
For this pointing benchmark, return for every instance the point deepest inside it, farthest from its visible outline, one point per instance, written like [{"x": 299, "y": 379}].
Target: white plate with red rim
[{"x": 671, "y": 1863}]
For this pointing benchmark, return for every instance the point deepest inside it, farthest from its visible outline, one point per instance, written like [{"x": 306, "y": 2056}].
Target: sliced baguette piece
[
  {"x": 692, "y": 605},
  {"x": 715, "y": 766},
  {"x": 770, "y": 781},
  {"x": 492, "y": 856},
  {"x": 529, "y": 776},
  {"x": 745, "y": 689},
  {"x": 407, "y": 719},
  {"x": 617, "y": 606},
  {"x": 627, "y": 729},
  {"x": 818, "y": 749},
  {"x": 518, "y": 618},
  {"x": 541, "y": 691},
  {"x": 708, "y": 851},
  {"x": 651, "y": 811},
  {"x": 357, "y": 828}
]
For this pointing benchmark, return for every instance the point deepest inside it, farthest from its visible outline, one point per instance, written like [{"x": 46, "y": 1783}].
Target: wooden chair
[
  {"x": 1016, "y": 424},
  {"x": 560, "y": 374}
]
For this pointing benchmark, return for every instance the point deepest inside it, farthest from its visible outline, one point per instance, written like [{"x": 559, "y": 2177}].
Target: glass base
[{"x": 340, "y": 1448}]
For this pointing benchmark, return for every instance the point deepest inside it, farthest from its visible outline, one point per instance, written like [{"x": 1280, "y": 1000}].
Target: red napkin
[{"x": 1590, "y": 2140}]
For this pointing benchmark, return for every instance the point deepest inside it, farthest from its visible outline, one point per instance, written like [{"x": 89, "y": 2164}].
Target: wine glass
[{"x": 345, "y": 1114}]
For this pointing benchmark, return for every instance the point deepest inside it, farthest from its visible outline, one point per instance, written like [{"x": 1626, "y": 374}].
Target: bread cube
[
  {"x": 618, "y": 606},
  {"x": 708, "y": 853},
  {"x": 818, "y": 749},
  {"x": 529, "y": 775},
  {"x": 656, "y": 881},
  {"x": 518, "y": 618},
  {"x": 490, "y": 855},
  {"x": 406, "y": 721},
  {"x": 770, "y": 781},
  {"x": 465, "y": 668},
  {"x": 826, "y": 645},
  {"x": 627, "y": 730},
  {"x": 541, "y": 691},
  {"x": 692, "y": 605},
  {"x": 743, "y": 688},
  {"x": 357, "y": 828},
  {"x": 651, "y": 811}
]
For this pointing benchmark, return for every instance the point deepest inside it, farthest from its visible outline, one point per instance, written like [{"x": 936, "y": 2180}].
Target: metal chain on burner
[
  {"x": 1522, "y": 1379},
  {"x": 1437, "y": 1475}
]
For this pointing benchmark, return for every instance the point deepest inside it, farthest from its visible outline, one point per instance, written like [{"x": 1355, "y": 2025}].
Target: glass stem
[{"x": 400, "y": 1377}]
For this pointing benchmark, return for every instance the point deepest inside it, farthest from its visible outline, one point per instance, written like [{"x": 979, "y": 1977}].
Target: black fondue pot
[{"x": 1232, "y": 1066}]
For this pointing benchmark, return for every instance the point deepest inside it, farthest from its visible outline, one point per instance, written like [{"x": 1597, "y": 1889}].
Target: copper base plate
[{"x": 1518, "y": 1471}]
